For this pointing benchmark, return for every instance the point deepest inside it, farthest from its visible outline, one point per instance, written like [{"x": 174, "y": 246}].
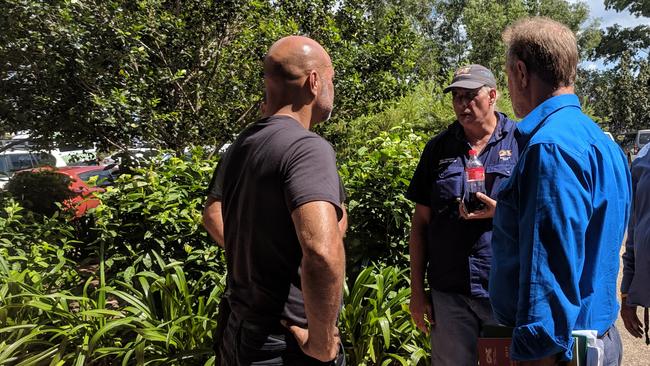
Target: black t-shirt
[{"x": 272, "y": 168}]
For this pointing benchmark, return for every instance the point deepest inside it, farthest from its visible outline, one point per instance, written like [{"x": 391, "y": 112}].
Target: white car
[
  {"x": 14, "y": 160},
  {"x": 642, "y": 139}
]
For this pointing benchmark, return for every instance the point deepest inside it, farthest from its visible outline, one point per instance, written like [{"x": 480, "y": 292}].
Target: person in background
[
  {"x": 635, "y": 286},
  {"x": 561, "y": 217},
  {"x": 275, "y": 205},
  {"x": 455, "y": 252}
]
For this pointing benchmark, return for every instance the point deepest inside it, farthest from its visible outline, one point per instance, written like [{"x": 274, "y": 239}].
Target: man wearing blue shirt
[
  {"x": 454, "y": 252},
  {"x": 561, "y": 216}
]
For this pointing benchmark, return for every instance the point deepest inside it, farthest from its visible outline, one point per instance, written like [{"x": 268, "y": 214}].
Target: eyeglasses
[{"x": 465, "y": 97}]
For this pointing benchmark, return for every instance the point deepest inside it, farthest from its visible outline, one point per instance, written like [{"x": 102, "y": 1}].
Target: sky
[
  {"x": 611, "y": 17},
  {"x": 607, "y": 19}
]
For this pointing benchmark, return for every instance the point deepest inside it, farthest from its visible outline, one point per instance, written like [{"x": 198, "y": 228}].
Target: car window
[
  {"x": 644, "y": 138},
  {"x": 104, "y": 177},
  {"x": 4, "y": 166},
  {"x": 20, "y": 161},
  {"x": 44, "y": 159}
]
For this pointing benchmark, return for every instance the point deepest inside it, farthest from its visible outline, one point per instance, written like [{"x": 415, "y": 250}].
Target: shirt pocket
[
  {"x": 499, "y": 174},
  {"x": 448, "y": 183}
]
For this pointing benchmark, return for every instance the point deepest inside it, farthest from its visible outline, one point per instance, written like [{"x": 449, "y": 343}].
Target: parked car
[
  {"x": 131, "y": 157},
  {"x": 13, "y": 160},
  {"x": 642, "y": 138},
  {"x": 79, "y": 178}
]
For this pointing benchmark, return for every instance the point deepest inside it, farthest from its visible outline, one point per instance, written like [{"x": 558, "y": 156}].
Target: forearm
[
  {"x": 322, "y": 287},
  {"x": 213, "y": 221},
  {"x": 417, "y": 253},
  {"x": 418, "y": 248},
  {"x": 322, "y": 270}
]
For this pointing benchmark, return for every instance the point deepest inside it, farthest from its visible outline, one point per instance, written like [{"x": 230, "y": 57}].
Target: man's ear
[
  {"x": 493, "y": 96},
  {"x": 314, "y": 82},
  {"x": 523, "y": 76}
]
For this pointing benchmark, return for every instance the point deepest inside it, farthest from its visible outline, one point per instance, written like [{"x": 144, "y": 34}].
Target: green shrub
[
  {"x": 377, "y": 161},
  {"x": 161, "y": 320},
  {"x": 38, "y": 247},
  {"x": 40, "y": 191},
  {"x": 158, "y": 209},
  {"x": 376, "y": 178},
  {"x": 376, "y": 325}
]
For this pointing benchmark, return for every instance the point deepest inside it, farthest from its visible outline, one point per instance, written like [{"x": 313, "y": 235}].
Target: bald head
[
  {"x": 298, "y": 75},
  {"x": 292, "y": 58}
]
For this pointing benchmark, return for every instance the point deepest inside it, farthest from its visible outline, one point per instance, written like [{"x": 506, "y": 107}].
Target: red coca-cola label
[{"x": 477, "y": 173}]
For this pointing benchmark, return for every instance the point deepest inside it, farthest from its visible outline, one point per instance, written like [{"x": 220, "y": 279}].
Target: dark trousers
[{"x": 245, "y": 343}]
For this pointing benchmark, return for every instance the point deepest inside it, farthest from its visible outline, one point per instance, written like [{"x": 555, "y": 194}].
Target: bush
[
  {"x": 158, "y": 209},
  {"x": 376, "y": 326},
  {"x": 377, "y": 162},
  {"x": 40, "y": 191},
  {"x": 376, "y": 178}
]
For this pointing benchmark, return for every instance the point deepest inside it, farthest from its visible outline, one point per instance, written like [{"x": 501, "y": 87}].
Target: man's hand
[
  {"x": 631, "y": 320},
  {"x": 421, "y": 310},
  {"x": 486, "y": 213},
  {"x": 323, "y": 352}
]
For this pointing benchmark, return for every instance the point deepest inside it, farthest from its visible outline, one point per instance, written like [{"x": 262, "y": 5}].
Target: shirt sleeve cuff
[{"x": 534, "y": 342}]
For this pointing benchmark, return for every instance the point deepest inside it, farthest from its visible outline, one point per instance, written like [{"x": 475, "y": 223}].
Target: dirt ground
[{"x": 635, "y": 351}]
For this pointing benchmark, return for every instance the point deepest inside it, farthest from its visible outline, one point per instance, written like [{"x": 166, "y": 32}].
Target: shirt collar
[
  {"x": 533, "y": 121},
  {"x": 504, "y": 126}
]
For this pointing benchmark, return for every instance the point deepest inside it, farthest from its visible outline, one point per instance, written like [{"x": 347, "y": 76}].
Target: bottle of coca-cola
[{"x": 475, "y": 176}]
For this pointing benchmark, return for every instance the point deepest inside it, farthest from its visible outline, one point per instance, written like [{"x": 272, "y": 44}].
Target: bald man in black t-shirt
[{"x": 278, "y": 215}]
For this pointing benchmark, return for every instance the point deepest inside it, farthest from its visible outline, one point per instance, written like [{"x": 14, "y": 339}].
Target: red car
[{"x": 83, "y": 198}]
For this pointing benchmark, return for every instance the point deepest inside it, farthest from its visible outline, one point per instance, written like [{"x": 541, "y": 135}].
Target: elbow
[{"x": 326, "y": 255}]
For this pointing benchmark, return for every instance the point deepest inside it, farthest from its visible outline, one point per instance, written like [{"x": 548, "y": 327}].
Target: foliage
[
  {"x": 37, "y": 246},
  {"x": 617, "y": 40},
  {"x": 376, "y": 178},
  {"x": 41, "y": 191},
  {"x": 162, "y": 320},
  {"x": 636, "y": 7},
  {"x": 620, "y": 96},
  {"x": 119, "y": 71},
  {"x": 376, "y": 325},
  {"x": 158, "y": 209},
  {"x": 377, "y": 161},
  {"x": 118, "y": 306},
  {"x": 471, "y": 29}
]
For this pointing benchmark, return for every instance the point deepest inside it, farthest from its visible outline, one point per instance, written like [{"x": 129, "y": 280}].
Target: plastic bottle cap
[{"x": 472, "y": 152}]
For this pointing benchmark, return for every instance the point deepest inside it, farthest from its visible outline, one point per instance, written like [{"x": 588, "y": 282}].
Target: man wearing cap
[{"x": 455, "y": 251}]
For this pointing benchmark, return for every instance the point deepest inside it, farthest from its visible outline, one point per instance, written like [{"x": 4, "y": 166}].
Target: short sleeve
[
  {"x": 310, "y": 174},
  {"x": 215, "y": 189},
  {"x": 419, "y": 190}
]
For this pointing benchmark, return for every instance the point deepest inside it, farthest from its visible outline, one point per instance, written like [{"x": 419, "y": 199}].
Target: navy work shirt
[
  {"x": 458, "y": 250},
  {"x": 636, "y": 260},
  {"x": 558, "y": 230}
]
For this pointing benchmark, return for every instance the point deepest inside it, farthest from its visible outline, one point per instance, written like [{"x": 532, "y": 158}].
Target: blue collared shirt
[
  {"x": 636, "y": 260},
  {"x": 458, "y": 250},
  {"x": 558, "y": 229}
]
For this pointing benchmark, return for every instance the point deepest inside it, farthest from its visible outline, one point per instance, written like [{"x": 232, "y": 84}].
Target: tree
[
  {"x": 621, "y": 96},
  {"x": 118, "y": 71},
  {"x": 472, "y": 28},
  {"x": 636, "y": 7},
  {"x": 171, "y": 73}
]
